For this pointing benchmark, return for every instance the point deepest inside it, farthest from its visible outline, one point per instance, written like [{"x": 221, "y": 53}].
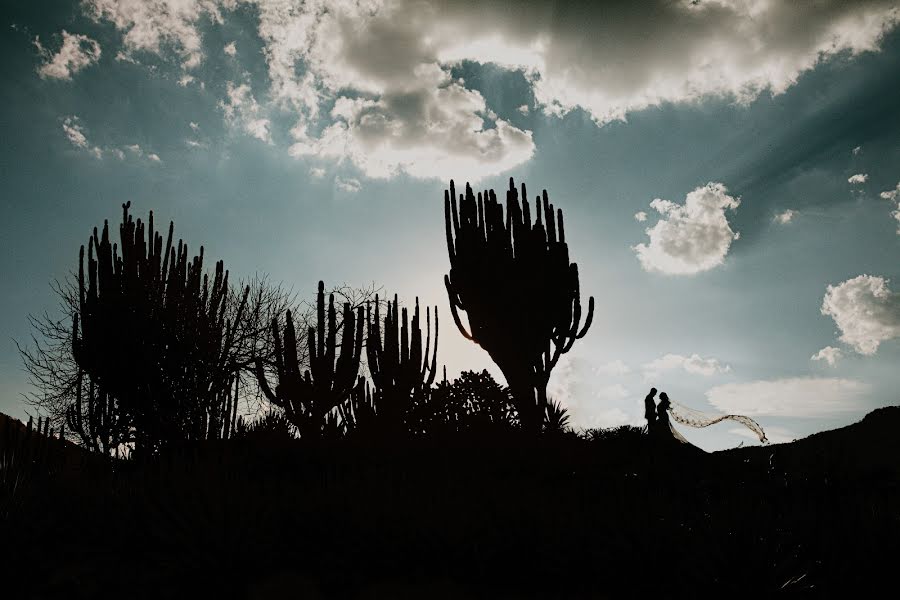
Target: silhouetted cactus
[
  {"x": 154, "y": 339},
  {"x": 398, "y": 364},
  {"x": 520, "y": 293},
  {"x": 309, "y": 398},
  {"x": 100, "y": 425},
  {"x": 358, "y": 413}
]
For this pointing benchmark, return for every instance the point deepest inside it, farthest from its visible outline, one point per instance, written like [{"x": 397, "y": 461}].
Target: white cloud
[
  {"x": 613, "y": 393},
  {"x": 242, "y": 110},
  {"x": 614, "y": 368},
  {"x": 785, "y": 217},
  {"x": 154, "y": 26},
  {"x": 194, "y": 126},
  {"x": 349, "y": 185},
  {"x": 75, "y": 134},
  {"x": 194, "y": 144},
  {"x": 524, "y": 109},
  {"x": 894, "y": 195},
  {"x": 790, "y": 397},
  {"x": 76, "y": 53},
  {"x": 185, "y": 80},
  {"x": 857, "y": 150},
  {"x": 640, "y": 216},
  {"x": 865, "y": 311},
  {"x": 693, "y": 364},
  {"x": 692, "y": 237},
  {"x": 573, "y": 385},
  {"x": 859, "y": 178},
  {"x": 829, "y": 354},
  {"x": 230, "y": 49},
  {"x": 123, "y": 57},
  {"x": 606, "y": 418},
  {"x": 317, "y": 172}
]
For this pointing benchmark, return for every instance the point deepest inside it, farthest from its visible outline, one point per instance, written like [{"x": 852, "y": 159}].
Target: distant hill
[{"x": 869, "y": 448}]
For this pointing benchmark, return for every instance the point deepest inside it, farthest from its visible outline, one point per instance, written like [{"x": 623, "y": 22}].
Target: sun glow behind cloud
[{"x": 385, "y": 66}]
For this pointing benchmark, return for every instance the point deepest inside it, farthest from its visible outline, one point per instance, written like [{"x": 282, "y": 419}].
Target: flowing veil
[{"x": 694, "y": 418}]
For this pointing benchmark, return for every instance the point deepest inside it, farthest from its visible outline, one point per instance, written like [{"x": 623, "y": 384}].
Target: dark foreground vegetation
[
  {"x": 203, "y": 439},
  {"x": 604, "y": 514}
]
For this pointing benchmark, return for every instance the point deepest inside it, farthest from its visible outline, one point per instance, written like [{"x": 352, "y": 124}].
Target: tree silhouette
[
  {"x": 310, "y": 399},
  {"x": 520, "y": 293}
]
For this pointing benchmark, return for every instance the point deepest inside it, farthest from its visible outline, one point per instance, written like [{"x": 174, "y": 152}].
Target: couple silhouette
[{"x": 657, "y": 415}]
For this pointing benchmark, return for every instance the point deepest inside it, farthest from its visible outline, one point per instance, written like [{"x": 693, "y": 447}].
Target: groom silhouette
[{"x": 650, "y": 411}]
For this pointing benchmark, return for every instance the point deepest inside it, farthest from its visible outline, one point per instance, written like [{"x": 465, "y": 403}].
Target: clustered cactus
[
  {"x": 401, "y": 371},
  {"x": 310, "y": 399},
  {"x": 330, "y": 398},
  {"x": 153, "y": 338},
  {"x": 513, "y": 279}
]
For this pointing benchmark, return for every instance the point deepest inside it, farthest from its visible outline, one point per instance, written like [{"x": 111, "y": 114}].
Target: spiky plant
[
  {"x": 520, "y": 293},
  {"x": 401, "y": 369},
  {"x": 154, "y": 340},
  {"x": 310, "y": 399},
  {"x": 556, "y": 417}
]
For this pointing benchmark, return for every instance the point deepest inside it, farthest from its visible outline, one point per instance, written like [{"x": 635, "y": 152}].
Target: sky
[{"x": 729, "y": 171}]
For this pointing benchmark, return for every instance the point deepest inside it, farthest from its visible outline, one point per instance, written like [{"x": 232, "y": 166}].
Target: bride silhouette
[{"x": 693, "y": 418}]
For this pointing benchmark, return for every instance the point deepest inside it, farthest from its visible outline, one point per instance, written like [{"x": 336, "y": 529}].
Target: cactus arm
[{"x": 454, "y": 304}]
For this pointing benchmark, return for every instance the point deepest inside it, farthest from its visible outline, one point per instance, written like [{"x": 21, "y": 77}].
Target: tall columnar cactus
[
  {"x": 358, "y": 412},
  {"x": 154, "y": 339},
  {"x": 401, "y": 371},
  {"x": 309, "y": 398},
  {"x": 520, "y": 293}
]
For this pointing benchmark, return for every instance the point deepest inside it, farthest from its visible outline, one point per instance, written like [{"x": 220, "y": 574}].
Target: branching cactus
[
  {"x": 309, "y": 399},
  {"x": 152, "y": 337},
  {"x": 520, "y": 293},
  {"x": 401, "y": 370},
  {"x": 358, "y": 412}
]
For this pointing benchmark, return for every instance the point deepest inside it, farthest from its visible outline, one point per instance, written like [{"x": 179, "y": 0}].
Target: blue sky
[{"x": 758, "y": 141}]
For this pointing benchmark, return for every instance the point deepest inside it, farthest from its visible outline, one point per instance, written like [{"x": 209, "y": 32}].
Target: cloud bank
[
  {"x": 692, "y": 364},
  {"x": 385, "y": 65},
  {"x": 791, "y": 397}
]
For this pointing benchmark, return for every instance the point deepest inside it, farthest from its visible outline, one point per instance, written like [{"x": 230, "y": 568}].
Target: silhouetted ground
[{"x": 465, "y": 518}]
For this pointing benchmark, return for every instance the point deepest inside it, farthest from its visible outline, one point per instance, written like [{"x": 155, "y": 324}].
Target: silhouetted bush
[{"x": 472, "y": 403}]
